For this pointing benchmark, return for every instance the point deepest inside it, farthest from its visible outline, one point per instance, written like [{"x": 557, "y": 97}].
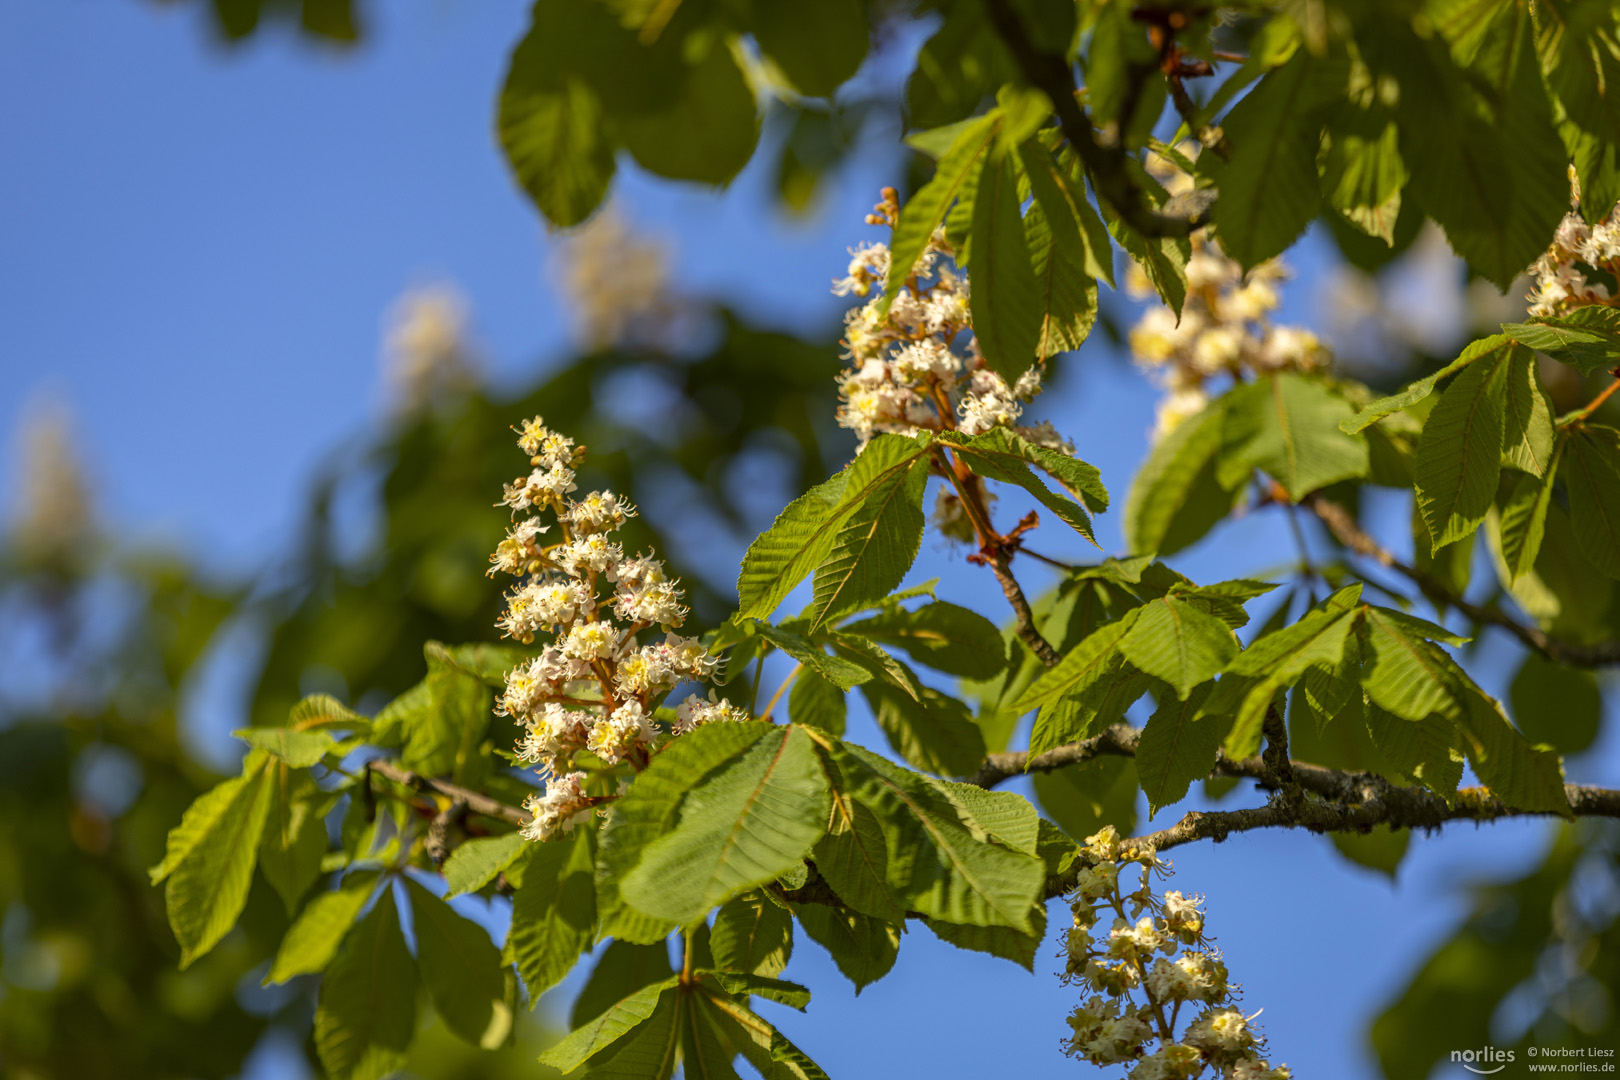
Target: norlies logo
[{"x": 1484, "y": 1061}]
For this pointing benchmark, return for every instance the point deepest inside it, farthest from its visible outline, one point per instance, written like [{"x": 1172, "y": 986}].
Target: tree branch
[
  {"x": 999, "y": 559},
  {"x": 475, "y": 802},
  {"x": 1399, "y": 808},
  {"x": 1347, "y": 532},
  {"x": 1051, "y": 73},
  {"x": 1328, "y": 800}
]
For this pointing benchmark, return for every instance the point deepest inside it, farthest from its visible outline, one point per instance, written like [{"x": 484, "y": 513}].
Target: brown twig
[
  {"x": 999, "y": 559},
  {"x": 1177, "y": 68},
  {"x": 1051, "y": 73},
  {"x": 476, "y": 802},
  {"x": 1345, "y": 529},
  {"x": 1400, "y": 808}
]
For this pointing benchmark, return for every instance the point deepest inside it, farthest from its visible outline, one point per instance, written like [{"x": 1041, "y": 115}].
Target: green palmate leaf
[
  {"x": 488, "y": 661},
  {"x": 810, "y": 532},
  {"x": 878, "y": 664},
  {"x": 461, "y": 969},
  {"x": 936, "y": 734},
  {"x": 932, "y": 863},
  {"x": 839, "y": 671},
  {"x": 1119, "y": 53},
  {"x": 1178, "y": 642},
  {"x": 1162, "y": 259},
  {"x": 294, "y": 840},
  {"x": 709, "y": 129},
  {"x": 210, "y": 858},
  {"x": 1002, "y": 816},
  {"x": 1177, "y": 747},
  {"x": 366, "y": 1015},
  {"x": 1460, "y": 456},
  {"x": 1003, "y": 941},
  {"x": 743, "y": 825},
  {"x": 1085, "y": 712},
  {"x": 1099, "y": 793},
  {"x": 765, "y": 1048},
  {"x": 313, "y": 938},
  {"x": 1485, "y": 157},
  {"x": 1269, "y": 188},
  {"x": 648, "y": 811},
  {"x": 440, "y": 723},
  {"x": 876, "y": 542},
  {"x": 300, "y": 749},
  {"x": 957, "y": 69},
  {"x": 1316, "y": 638},
  {"x": 744, "y": 985},
  {"x": 1417, "y": 751},
  {"x": 816, "y": 702},
  {"x": 864, "y": 948},
  {"x": 1517, "y": 773},
  {"x": 1552, "y": 704},
  {"x": 1000, "y": 454},
  {"x": 1564, "y": 593},
  {"x": 786, "y": 553},
  {"x": 1277, "y": 660},
  {"x": 553, "y": 912},
  {"x": 817, "y": 48},
  {"x": 1006, "y": 298},
  {"x": 604, "y": 1030},
  {"x": 1451, "y": 567},
  {"x": 854, "y": 856},
  {"x": 1224, "y": 599},
  {"x": 1066, "y": 266},
  {"x": 1402, "y": 672},
  {"x": 321, "y": 710},
  {"x": 653, "y": 1048},
  {"x": 1062, "y": 197},
  {"x": 1080, "y": 667},
  {"x": 1381, "y": 850},
  {"x": 1523, "y": 520},
  {"x": 1068, "y": 297},
  {"x": 943, "y": 636},
  {"x": 551, "y": 120},
  {"x": 1587, "y": 338},
  {"x": 476, "y": 863},
  {"x": 623, "y": 969},
  {"x": 1421, "y": 389},
  {"x": 1362, "y": 173},
  {"x": 1288, "y": 425},
  {"x": 753, "y": 935},
  {"x": 1527, "y": 422},
  {"x": 926, "y": 209},
  {"x": 706, "y": 1051},
  {"x": 1591, "y": 471},
  {"x": 203, "y": 815},
  {"x": 1175, "y": 498}
]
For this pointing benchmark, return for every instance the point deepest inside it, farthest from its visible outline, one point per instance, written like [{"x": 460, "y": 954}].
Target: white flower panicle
[
  {"x": 563, "y": 806},
  {"x": 1560, "y": 274},
  {"x": 906, "y": 372},
  {"x": 595, "y": 685},
  {"x": 1224, "y": 328},
  {"x": 426, "y": 351},
  {"x": 1155, "y": 947}
]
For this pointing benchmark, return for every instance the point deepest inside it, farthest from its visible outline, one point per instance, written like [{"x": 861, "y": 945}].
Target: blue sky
[{"x": 197, "y": 248}]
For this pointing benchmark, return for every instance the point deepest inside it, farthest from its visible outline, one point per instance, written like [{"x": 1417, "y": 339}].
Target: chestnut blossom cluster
[
  {"x": 1561, "y": 273},
  {"x": 1224, "y": 328},
  {"x": 908, "y": 371},
  {"x": 1154, "y": 947},
  {"x": 595, "y": 685}
]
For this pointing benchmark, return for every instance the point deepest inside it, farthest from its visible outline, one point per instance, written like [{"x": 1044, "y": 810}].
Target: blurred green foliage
[{"x": 95, "y": 765}]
